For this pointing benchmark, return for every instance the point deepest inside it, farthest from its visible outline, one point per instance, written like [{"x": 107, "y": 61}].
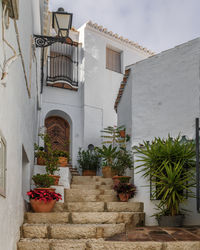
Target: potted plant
[
  {"x": 125, "y": 191},
  {"x": 169, "y": 165},
  {"x": 63, "y": 157},
  {"x": 89, "y": 162},
  {"x": 108, "y": 155},
  {"x": 122, "y": 162},
  {"x": 51, "y": 159},
  {"x": 39, "y": 154},
  {"x": 43, "y": 201},
  {"x": 111, "y": 135},
  {"x": 43, "y": 182}
]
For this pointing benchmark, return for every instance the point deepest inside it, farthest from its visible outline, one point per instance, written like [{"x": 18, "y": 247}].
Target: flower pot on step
[
  {"x": 56, "y": 179},
  {"x": 170, "y": 221},
  {"x": 117, "y": 179},
  {"x": 42, "y": 206},
  {"x": 124, "y": 197},
  {"x": 89, "y": 173},
  {"x": 40, "y": 161},
  {"x": 62, "y": 161},
  {"x": 107, "y": 172},
  {"x": 122, "y": 133},
  {"x": 48, "y": 189}
]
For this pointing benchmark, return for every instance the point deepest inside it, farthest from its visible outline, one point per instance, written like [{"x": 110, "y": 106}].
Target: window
[
  {"x": 113, "y": 60},
  {"x": 2, "y": 166}
]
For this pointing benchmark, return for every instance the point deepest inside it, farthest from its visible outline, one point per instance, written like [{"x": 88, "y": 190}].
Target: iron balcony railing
[{"x": 62, "y": 65}]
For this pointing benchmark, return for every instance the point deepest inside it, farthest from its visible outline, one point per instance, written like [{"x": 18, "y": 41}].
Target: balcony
[{"x": 62, "y": 66}]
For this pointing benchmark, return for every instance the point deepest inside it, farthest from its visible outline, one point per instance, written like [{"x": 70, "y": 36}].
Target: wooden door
[{"x": 59, "y": 131}]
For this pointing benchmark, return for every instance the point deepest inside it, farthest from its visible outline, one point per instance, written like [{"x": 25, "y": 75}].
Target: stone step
[
  {"x": 83, "y": 192},
  {"x": 85, "y": 206},
  {"x": 91, "y": 186},
  {"x": 87, "y": 180},
  {"x": 132, "y": 218},
  {"x": 75, "y": 195},
  {"x": 71, "y": 231},
  {"x": 125, "y": 206},
  {"x": 51, "y": 218},
  {"x": 100, "y": 244}
]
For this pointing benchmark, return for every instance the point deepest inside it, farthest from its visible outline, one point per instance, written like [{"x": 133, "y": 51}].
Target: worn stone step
[
  {"x": 85, "y": 206},
  {"x": 100, "y": 244},
  {"x": 125, "y": 206},
  {"x": 132, "y": 218},
  {"x": 51, "y": 244},
  {"x": 91, "y": 186},
  {"x": 52, "y": 218},
  {"x": 75, "y": 195},
  {"x": 71, "y": 231},
  {"x": 87, "y": 180}
]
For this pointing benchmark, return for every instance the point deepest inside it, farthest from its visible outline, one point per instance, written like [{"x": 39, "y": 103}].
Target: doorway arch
[{"x": 58, "y": 130}]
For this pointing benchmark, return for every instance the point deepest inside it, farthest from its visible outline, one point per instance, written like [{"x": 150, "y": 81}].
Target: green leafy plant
[
  {"x": 169, "y": 165},
  {"x": 123, "y": 161},
  {"x": 39, "y": 151},
  {"x": 125, "y": 188},
  {"x": 112, "y": 136},
  {"x": 43, "y": 180},
  {"x": 108, "y": 154},
  {"x": 51, "y": 160},
  {"x": 60, "y": 153},
  {"x": 88, "y": 159}
]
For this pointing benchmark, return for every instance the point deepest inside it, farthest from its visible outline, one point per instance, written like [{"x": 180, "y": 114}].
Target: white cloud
[{"x": 156, "y": 24}]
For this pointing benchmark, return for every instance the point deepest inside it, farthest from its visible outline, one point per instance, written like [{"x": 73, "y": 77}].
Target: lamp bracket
[{"x": 45, "y": 41}]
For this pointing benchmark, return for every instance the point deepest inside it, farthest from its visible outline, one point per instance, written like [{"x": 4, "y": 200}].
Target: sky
[{"x": 155, "y": 24}]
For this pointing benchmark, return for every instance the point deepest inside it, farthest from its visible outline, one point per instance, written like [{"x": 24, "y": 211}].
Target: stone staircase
[{"x": 90, "y": 213}]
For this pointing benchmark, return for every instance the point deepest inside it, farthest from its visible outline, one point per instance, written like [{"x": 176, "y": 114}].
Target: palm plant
[
  {"x": 169, "y": 165},
  {"x": 112, "y": 135},
  {"x": 108, "y": 154}
]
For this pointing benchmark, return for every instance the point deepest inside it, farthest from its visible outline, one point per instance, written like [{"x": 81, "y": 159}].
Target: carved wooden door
[{"x": 59, "y": 131}]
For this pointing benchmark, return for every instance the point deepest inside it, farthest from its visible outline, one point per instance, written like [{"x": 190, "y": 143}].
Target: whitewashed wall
[
  {"x": 100, "y": 84},
  {"x": 164, "y": 99},
  {"x": 18, "y": 118}
]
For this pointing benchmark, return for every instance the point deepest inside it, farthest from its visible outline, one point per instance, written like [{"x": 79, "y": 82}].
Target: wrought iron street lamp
[{"x": 62, "y": 23}]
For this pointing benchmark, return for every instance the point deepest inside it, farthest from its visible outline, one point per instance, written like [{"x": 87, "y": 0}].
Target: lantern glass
[{"x": 62, "y": 22}]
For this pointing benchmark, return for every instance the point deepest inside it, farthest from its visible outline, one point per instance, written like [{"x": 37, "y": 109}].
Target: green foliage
[
  {"x": 123, "y": 161},
  {"x": 125, "y": 188},
  {"x": 111, "y": 135},
  {"x": 43, "y": 180},
  {"x": 60, "y": 153},
  {"x": 39, "y": 151},
  {"x": 51, "y": 160},
  {"x": 169, "y": 164},
  {"x": 108, "y": 154},
  {"x": 88, "y": 160}
]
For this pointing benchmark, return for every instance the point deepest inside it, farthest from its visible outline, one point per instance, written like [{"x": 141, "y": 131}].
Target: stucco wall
[
  {"x": 165, "y": 99},
  {"x": 100, "y": 84},
  {"x": 18, "y": 117}
]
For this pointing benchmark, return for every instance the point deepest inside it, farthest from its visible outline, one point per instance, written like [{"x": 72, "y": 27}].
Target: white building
[{"x": 161, "y": 97}]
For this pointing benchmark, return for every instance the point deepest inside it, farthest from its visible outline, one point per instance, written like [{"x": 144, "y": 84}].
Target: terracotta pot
[
  {"x": 62, "y": 161},
  {"x": 40, "y": 161},
  {"x": 89, "y": 173},
  {"x": 124, "y": 197},
  {"x": 56, "y": 179},
  {"x": 122, "y": 133},
  {"x": 107, "y": 172},
  {"x": 116, "y": 179},
  {"x": 41, "y": 206},
  {"x": 48, "y": 189}
]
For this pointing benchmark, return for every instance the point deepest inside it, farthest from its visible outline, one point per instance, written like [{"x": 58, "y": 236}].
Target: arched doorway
[{"x": 59, "y": 131}]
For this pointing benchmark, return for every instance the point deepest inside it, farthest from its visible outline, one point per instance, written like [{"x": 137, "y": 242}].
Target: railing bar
[{"x": 197, "y": 165}]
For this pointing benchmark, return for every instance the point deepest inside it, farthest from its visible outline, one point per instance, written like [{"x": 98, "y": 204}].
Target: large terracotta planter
[
  {"x": 62, "y": 161},
  {"x": 89, "y": 173},
  {"x": 47, "y": 189},
  {"x": 116, "y": 179},
  {"x": 124, "y": 197},
  {"x": 40, "y": 161},
  {"x": 107, "y": 172},
  {"x": 56, "y": 179},
  {"x": 41, "y": 206}
]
